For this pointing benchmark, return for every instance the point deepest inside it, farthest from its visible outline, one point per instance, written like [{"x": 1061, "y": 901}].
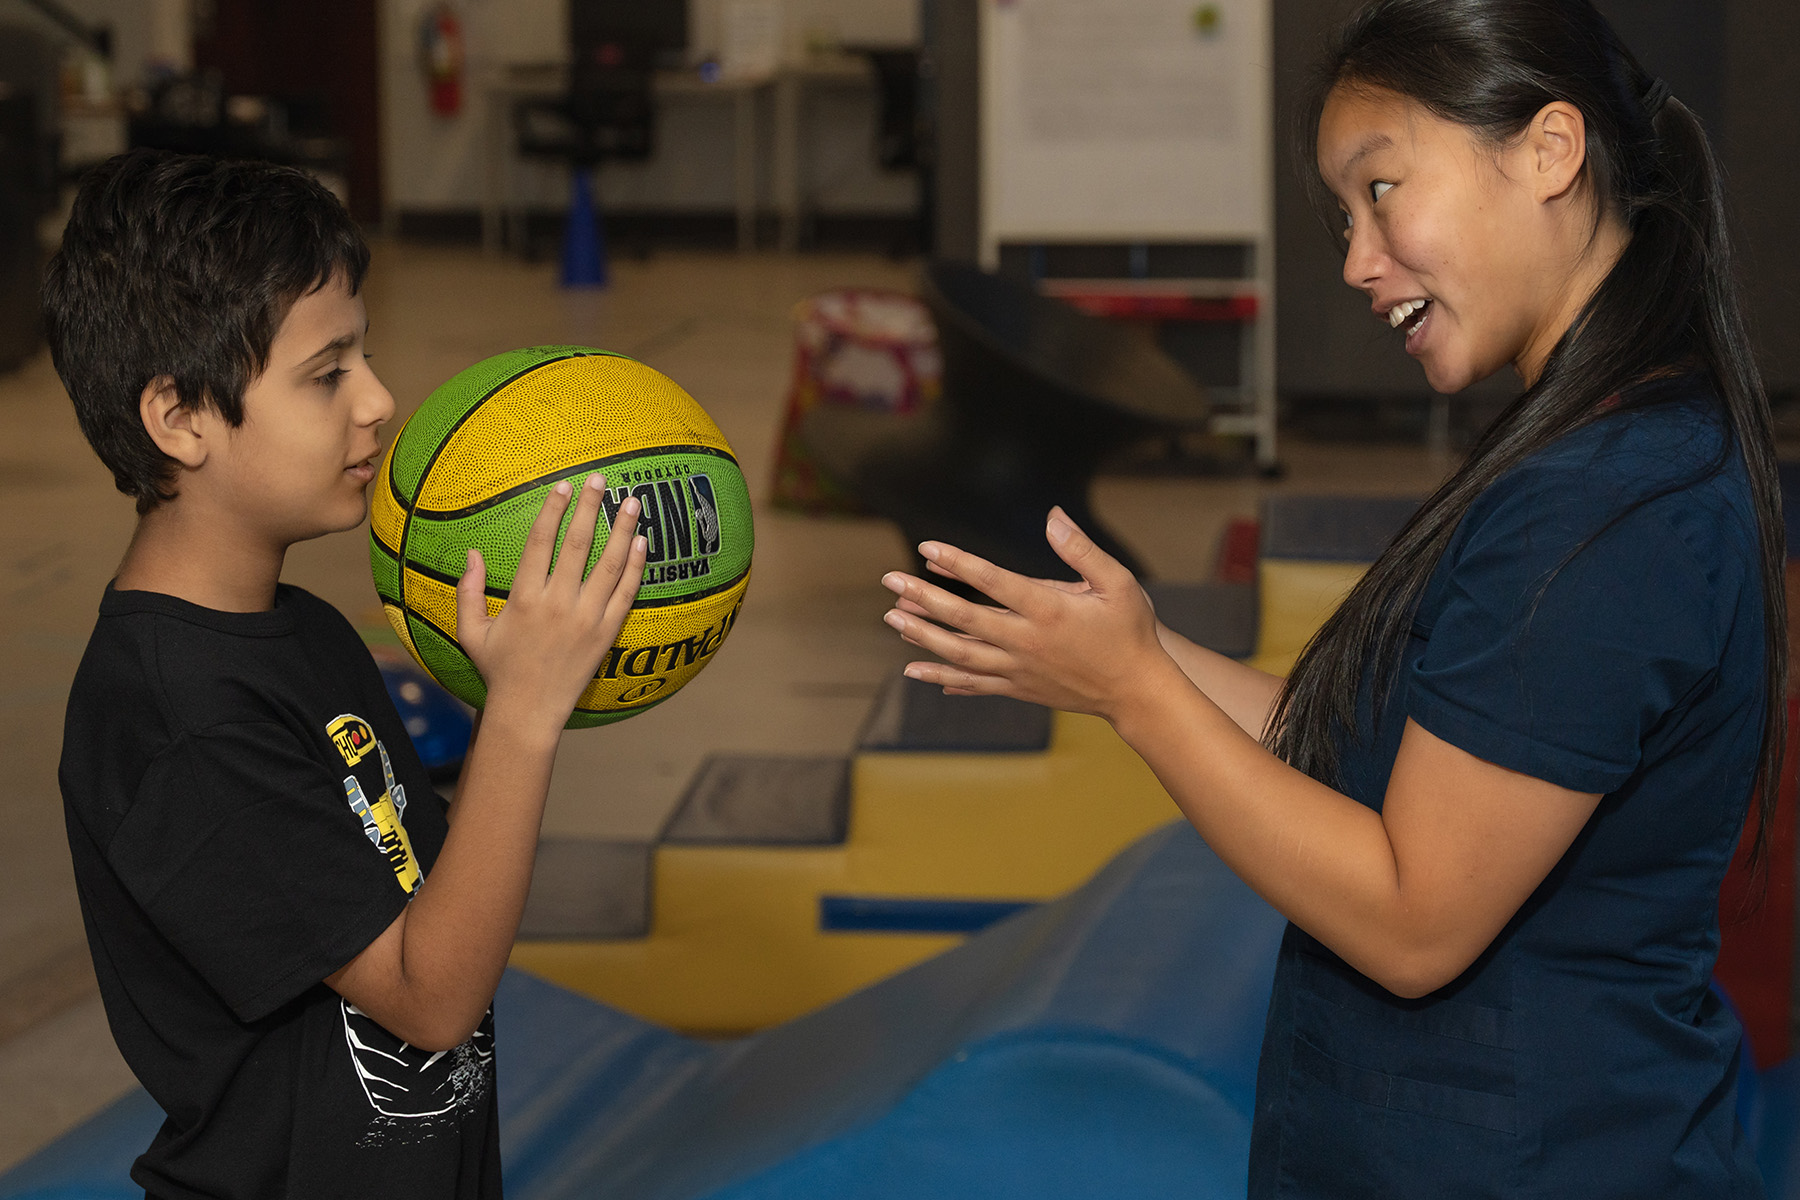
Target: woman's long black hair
[{"x": 1670, "y": 302}]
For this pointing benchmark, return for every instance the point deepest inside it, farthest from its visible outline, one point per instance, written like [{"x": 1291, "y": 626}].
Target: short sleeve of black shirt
[{"x": 235, "y": 848}]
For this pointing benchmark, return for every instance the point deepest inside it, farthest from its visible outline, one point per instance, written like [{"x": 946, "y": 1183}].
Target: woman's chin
[{"x": 1448, "y": 377}]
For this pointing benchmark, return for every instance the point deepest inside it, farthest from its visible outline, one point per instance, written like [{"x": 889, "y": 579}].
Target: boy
[{"x": 297, "y": 943}]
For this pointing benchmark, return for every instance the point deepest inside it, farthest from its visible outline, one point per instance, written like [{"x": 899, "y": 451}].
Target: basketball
[{"x": 472, "y": 467}]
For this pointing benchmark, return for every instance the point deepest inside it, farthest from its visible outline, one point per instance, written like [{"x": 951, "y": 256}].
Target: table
[{"x": 789, "y": 85}]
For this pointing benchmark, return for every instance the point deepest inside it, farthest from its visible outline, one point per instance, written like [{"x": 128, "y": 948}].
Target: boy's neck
[{"x": 182, "y": 552}]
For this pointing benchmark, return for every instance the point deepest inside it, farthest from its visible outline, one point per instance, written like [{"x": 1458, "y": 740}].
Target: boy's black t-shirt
[{"x": 246, "y": 814}]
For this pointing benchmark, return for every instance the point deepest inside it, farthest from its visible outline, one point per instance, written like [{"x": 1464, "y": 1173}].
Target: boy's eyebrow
[{"x": 332, "y": 348}]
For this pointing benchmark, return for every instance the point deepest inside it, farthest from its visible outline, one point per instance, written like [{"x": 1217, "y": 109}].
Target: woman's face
[{"x": 1450, "y": 236}]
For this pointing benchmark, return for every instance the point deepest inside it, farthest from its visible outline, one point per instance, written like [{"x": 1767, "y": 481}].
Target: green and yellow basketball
[{"x": 472, "y": 466}]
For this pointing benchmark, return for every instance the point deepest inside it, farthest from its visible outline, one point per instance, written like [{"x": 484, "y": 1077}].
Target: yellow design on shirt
[
  {"x": 382, "y": 819},
  {"x": 352, "y": 736}
]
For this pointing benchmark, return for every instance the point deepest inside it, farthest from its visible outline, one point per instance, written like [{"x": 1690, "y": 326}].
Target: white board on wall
[{"x": 1127, "y": 120}]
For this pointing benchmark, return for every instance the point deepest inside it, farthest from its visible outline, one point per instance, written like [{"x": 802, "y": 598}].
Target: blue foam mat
[{"x": 1104, "y": 1044}]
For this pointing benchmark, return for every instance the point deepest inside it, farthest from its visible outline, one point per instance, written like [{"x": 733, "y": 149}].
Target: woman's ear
[
  {"x": 179, "y": 430},
  {"x": 1557, "y": 146}
]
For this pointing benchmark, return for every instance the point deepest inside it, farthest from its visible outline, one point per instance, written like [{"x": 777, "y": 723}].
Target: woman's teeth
[{"x": 1398, "y": 314}]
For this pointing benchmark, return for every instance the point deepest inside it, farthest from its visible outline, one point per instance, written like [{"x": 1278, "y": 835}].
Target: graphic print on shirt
[
  {"x": 412, "y": 1091},
  {"x": 383, "y": 817}
]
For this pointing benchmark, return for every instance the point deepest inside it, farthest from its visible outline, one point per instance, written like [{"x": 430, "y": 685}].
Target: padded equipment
[{"x": 1101, "y": 1045}]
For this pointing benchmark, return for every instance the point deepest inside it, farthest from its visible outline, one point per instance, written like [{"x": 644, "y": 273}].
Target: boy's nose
[{"x": 378, "y": 403}]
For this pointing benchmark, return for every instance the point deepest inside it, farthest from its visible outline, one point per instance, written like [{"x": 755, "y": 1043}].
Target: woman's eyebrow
[{"x": 1374, "y": 142}]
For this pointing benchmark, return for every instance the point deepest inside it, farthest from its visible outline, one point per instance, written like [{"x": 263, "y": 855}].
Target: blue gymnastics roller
[{"x": 1101, "y": 1045}]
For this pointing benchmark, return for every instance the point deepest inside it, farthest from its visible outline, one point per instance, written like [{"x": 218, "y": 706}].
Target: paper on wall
[{"x": 1137, "y": 70}]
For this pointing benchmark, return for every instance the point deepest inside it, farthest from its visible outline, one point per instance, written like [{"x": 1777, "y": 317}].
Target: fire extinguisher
[{"x": 441, "y": 58}]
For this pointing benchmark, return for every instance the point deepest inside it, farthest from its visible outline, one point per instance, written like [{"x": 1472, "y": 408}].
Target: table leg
[
  {"x": 493, "y": 183},
  {"x": 743, "y": 170},
  {"x": 787, "y": 159}
]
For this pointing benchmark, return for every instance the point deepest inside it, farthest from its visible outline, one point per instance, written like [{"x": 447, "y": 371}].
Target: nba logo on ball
[{"x": 472, "y": 467}]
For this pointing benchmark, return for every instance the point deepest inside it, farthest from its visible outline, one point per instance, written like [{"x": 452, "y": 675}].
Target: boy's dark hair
[{"x": 182, "y": 266}]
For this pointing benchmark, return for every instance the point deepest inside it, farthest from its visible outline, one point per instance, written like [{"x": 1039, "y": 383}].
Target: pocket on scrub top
[{"x": 1450, "y": 1060}]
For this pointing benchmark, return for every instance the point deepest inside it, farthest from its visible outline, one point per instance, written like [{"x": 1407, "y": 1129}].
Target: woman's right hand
[{"x": 544, "y": 648}]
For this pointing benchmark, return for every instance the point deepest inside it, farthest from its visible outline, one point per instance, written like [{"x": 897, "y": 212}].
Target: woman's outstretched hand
[{"x": 1088, "y": 646}]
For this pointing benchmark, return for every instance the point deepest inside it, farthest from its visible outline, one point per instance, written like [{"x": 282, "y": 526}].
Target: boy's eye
[
  {"x": 330, "y": 378},
  {"x": 1379, "y": 188}
]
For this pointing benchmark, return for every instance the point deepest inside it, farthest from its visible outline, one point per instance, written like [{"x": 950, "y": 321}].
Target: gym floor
[{"x": 797, "y": 677}]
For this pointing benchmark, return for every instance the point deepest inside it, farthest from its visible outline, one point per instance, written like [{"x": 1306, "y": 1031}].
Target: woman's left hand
[{"x": 1081, "y": 647}]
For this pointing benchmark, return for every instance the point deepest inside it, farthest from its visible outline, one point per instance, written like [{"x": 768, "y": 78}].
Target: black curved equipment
[{"x": 1036, "y": 395}]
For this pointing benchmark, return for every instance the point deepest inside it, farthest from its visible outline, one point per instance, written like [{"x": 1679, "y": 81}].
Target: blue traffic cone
[{"x": 584, "y": 238}]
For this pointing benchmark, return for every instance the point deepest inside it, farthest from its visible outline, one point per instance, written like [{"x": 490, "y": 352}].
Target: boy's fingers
[
  {"x": 571, "y": 560},
  {"x": 624, "y": 593},
  {"x": 540, "y": 543},
  {"x": 471, "y": 597}
]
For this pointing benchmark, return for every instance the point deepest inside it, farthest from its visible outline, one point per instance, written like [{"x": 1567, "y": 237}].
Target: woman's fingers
[
  {"x": 1006, "y": 588},
  {"x": 1077, "y": 549},
  {"x": 955, "y": 681},
  {"x": 971, "y": 654}
]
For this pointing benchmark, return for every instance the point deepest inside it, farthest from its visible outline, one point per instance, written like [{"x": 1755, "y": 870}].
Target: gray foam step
[
  {"x": 1219, "y": 616},
  {"x": 588, "y": 888},
  {"x": 917, "y": 716},
  {"x": 1332, "y": 528},
  {"x": 740, "y": 799}
]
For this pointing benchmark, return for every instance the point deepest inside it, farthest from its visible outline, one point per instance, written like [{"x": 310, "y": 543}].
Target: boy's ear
[{"x": 179, "y": 430}]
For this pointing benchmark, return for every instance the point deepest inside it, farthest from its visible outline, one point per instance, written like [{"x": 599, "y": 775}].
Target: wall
[
  {"x": 436, "y": 163},
  {"x": 144, "y": 31}
]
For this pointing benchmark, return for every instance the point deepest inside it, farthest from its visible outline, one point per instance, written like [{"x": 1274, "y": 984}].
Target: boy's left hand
[{"x": 1082, "y": 647}]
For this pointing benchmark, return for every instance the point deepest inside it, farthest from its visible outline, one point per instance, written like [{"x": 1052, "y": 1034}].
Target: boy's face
[{"x": 301, "y": 462}]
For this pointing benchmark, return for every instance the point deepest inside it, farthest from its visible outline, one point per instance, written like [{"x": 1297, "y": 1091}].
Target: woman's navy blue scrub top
[{"x": 1583, "y": 629}]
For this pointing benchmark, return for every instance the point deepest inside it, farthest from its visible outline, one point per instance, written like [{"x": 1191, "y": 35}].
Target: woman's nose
[{"x": 1364, "y": 261}]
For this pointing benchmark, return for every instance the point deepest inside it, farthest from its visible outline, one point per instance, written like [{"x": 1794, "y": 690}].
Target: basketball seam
[
  {"x": 500, "y": 593},
  {"x": 457, "y": 646},
  {"x": 437, "y": 452},
  {"x": 519, "y": 489}
]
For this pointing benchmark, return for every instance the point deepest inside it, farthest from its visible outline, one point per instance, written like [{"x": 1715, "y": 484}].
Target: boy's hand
[{"x": 543, "y": 649}]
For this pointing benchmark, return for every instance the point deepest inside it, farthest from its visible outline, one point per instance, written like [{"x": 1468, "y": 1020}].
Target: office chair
[{"x": 609, "y": 114}]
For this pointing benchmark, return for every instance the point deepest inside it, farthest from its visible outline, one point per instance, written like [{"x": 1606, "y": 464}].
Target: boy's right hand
[{"x": 544, "y": 648}]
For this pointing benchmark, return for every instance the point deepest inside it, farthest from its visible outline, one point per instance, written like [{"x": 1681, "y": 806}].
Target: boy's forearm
[{"x": 431, "y": 976}]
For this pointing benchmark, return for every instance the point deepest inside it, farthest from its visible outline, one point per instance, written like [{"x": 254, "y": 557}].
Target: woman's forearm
[{"x": 1245, "y": 694}]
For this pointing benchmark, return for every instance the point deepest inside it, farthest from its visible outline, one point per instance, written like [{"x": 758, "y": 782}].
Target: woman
[{"x": 1498, "y": 793}]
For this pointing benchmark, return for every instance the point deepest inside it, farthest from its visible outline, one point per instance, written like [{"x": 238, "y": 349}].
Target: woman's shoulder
[
  {"x": 1667, "y": 438},
  {"x": 1661, "y": 460}
]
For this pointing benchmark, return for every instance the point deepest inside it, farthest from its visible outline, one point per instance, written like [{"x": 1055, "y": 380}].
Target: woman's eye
[
  {"x": 1349, "y": 220},
  {"x": 1379, "y": 188}
]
